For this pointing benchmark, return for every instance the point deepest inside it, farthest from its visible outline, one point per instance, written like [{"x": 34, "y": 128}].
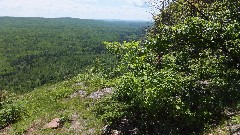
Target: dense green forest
[
  {"x": 181, "y": 77},
  {"x": 36, "y": 51}
]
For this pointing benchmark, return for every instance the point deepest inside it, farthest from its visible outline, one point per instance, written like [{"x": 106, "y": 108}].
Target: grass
[
  {"x": 78, "y": 113},
  {"x": 53, "y": 101}
]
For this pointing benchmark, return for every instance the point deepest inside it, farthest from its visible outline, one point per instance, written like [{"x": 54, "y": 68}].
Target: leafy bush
[
  {"x": 110, "y": 110},
  {"x": 181, "y": 79},
  {"x": 10, "y": 112}
]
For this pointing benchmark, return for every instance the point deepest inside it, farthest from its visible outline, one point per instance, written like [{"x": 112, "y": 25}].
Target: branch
[{"x": 192, "y": 6}]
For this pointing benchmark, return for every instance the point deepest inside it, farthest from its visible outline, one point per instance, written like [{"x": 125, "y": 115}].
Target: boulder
[{"x": 53, "y": 124}]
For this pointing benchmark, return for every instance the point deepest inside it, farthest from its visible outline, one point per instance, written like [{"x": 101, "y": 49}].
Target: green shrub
[
  {"x": 183, "y": 78},
  {"x": 10, "y": 112},
  {"x": 109, "y": 109}
]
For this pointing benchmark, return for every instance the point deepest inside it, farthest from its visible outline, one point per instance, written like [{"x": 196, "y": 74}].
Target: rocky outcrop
[
  {"x": 53, "y": 124},
  {"x": 80, "y": 93},
  {"x": 100, "y": 93}
]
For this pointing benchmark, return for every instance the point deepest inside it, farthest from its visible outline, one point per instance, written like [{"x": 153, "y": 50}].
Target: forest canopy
[{"x": 37, "y": 51}]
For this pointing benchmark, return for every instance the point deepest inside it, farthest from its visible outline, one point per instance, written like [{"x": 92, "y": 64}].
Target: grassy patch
[{"x": 55, "y": 101}]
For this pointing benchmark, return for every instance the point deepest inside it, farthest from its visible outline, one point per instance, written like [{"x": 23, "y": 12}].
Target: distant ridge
[{"x": 108, "y": 20}]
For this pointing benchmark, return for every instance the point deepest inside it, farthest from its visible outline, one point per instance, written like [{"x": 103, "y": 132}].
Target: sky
[{"x": 84, "y": 9}]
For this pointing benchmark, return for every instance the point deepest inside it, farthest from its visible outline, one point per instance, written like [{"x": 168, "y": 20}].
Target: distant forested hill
[{"x": 36, "y": 51}]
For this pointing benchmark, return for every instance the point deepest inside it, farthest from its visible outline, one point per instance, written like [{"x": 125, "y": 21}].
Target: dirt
[
  {"x": 75, "y": 124},
  {"x": 35, "y": 126},
  {"x": 5, "y": 131}
]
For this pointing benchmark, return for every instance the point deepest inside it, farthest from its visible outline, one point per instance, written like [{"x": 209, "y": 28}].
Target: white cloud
[
  {"x": 139, "y": 3},
  {"x": 87, "y": 9}
]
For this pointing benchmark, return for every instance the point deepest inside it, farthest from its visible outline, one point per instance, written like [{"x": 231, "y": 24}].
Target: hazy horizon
[
  {"x": 127, "y": 10},
  {"x": 81, "y": 19}
]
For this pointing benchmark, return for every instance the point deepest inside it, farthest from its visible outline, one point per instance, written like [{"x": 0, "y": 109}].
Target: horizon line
[{"x": 79, "y": 18}]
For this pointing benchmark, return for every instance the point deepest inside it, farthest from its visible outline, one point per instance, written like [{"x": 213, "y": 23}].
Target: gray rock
[
  {"x": 106, "y": 129},
  {"x": 116, "y": 132},
  {"x": 80, "y": 93},
  {"x": 235, "y": 129},
  {"x": 79, "y": 84},
  {"x": 100, "y": 93},
  {"x": 91, "y": 131}
]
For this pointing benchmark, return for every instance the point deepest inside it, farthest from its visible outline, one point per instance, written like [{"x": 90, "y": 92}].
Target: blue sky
[{"x": 86, "y": 9}]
